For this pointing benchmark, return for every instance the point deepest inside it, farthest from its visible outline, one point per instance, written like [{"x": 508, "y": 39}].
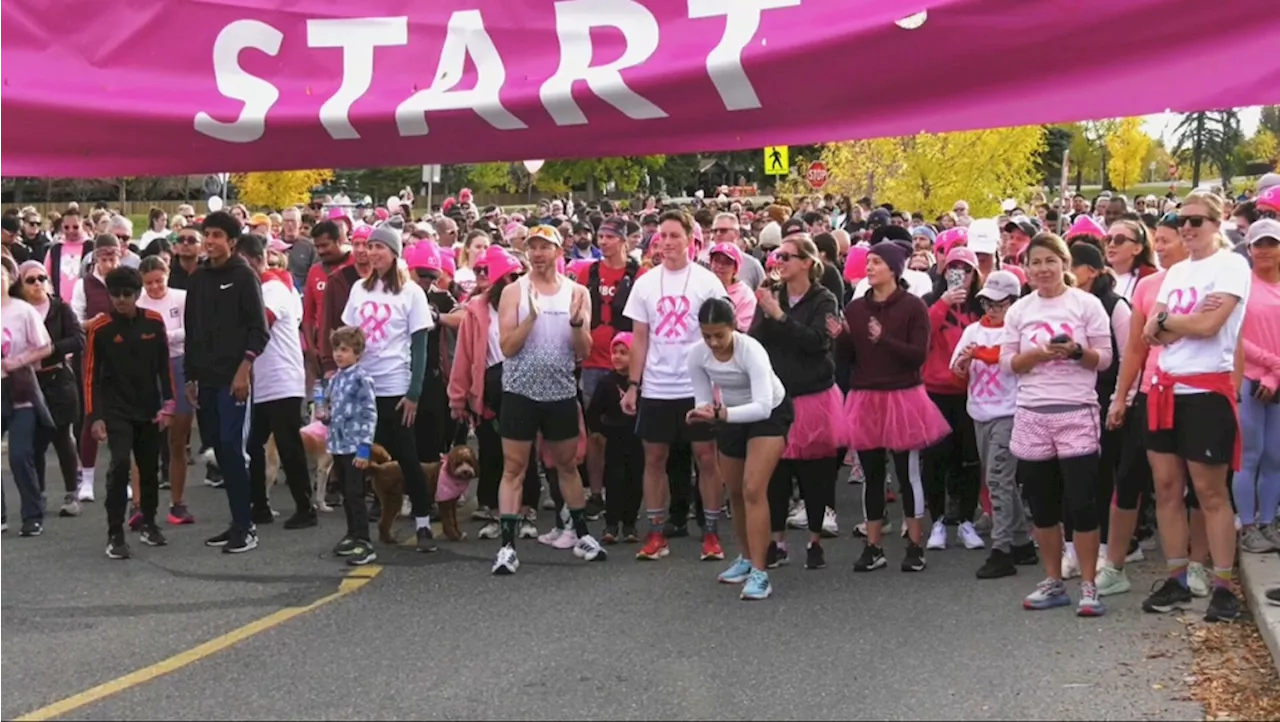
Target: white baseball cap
[{"x": 1000, "y": 285}]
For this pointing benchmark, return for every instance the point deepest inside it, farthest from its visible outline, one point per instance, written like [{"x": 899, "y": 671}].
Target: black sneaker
[
  {"x": 814, "y": 557},
  {"x": 1273, "y": 596},
  {"x": 426, "y": 541},
  {"x": 165, "y": 484},
  {"x": 345, "y": 547},
  {"x": 1223, "y": 606},
  {"x": 213, "y": 476},
  {"x": 594, "y": 508},
  {"x": 1170, "y": 596},
  {"x": 152, "y": 537},
  {"x": 629, "y": 534},
  {"x": 263, "y": 515},
  {"x": 362, "y": 553},
  {"x": 872, "y": 558},
  {"x": 241, "y": 542},
  {"x": 998, "y": 564},
  {"x": 914, "y": 560},
  {"x": 675, "y": 531},
  {"x": 1025, "y": 555},
  {"x": 117, "y": 548},
  {"x": 610, "y": 534},
  {"x": 219, "y": 540},
  {"x": 301, "y": 520},
  {"x": 31, "y": 528},
  {"x": 776, "y": 556}
]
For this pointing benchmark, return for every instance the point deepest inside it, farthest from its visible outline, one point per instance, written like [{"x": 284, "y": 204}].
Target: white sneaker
[
  {"x": 937, "y": 536},
  {"x": 482, "y": 513},
  {"x": 1136, "y": 556},
  {"x": 406, "y": 508},
  {"x": 507, "y": 562},
  {"x": 970, "y": 537},
  {"x": 589, "y": 549},
  {"x": 1199, "y": 580},
  {"x": 207, "y": 455},
  {"x": 84, "y": 490},
  {"x": 829, "y": 525},
  {"x": 492, "y": 530},
  {"x": 799, "y": 517},
  {"x": 1112, "y": 581},
  {"x": 527, "y": 528},
  {"x": 551, "y": 537},
  {"x": 1070, "y": 565},
  {"x": 568, "y": 539}
]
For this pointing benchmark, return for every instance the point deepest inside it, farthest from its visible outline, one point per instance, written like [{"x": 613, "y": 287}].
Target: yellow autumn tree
[
  {"x": 929, "y": 172},
  {"x": 1127, "y": 148},
  {"x": 279, "y": 189}
]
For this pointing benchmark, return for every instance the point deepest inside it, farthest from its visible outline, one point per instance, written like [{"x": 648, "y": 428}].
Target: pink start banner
[{"x": 145, "y": 87}]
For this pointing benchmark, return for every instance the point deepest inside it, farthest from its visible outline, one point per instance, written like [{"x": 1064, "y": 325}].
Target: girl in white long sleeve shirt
[{"x": 735, "y": 387}]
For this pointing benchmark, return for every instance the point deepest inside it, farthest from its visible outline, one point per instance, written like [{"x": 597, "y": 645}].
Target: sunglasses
[
  {"x": 33, "y": 224},
  {"x": 122, "y": 292},
  {"x": 1193, "y": 221},
  {"x": 719, "y": 231},
  {"x": 188, "y": 240},
  {"x": 988, "y": 303},
  {"x": 35, "y": 280},
  {"x": 68, "y": 229},
  {"x": 783, "y": 256},
  {"x": 123, "y": 237},
  {"x": 1269, "y": 214},
  {"x": 427, "y": 273},
  {"x": 1120, "y": 240}
]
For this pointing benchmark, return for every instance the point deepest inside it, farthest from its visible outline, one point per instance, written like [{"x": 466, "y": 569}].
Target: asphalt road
[{"x": 438, "y": 637}]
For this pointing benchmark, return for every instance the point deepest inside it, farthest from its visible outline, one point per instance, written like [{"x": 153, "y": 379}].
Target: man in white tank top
[{"x": 544, "y": 331}]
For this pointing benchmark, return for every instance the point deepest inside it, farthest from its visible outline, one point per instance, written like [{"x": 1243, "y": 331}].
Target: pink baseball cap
[
  {"x": 362, "y": 233},
  {"x": 855, "y": 264},
  {"x": 338, "y": 213},
  {"x": 728, "y": 249},
  {"x": 425, "y": 255},
  {"x": 1269, "y": 199},
  {"x": 381, "y": 214},
  {"x": 1086, "y": 226},
  {"x": 624, "y": 338},
  {"x": 960, "y": 254},
  {"x": 951, "y": 238}
]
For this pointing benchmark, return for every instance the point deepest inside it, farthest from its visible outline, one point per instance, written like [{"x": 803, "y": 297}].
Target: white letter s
[{"x": 257, "y": 94}]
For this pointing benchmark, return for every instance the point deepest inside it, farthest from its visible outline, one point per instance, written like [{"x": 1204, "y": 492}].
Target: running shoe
[
  {"x": 594, "y": 508},
  {"x": 219, "y": 540},
  {"x": 799, "y": 516},
  {"x": 655, "y": 547},
  {"x": 711, "y": 549},
  {"x": 1048, "y": 594},
  {"x": 567, "y": 539},
  {"x": 914, "y": 560},
  {"x": 345, "y": 547},
  {"x": 506, "y": 563},
  {"x": 737, "y": 572},
  {"x": 1199, "y": 580},
  {"x": 610, "y": 534},
  {"x": 527, "y": 527},
  {"x": 830, "y": 529},
  {"x": 588, "y": 549},
  {"x": 482, "y": 513},
  {"x": 1112, "y": 581},
  {"x": 856, "y": 474},
  {"x": 152, "y": 537},
  {"x": 1273, "y": 596},
  {"x": 776, "y": 556},
  {"x": 1223, "y": 606},
  {"x": 549, "y": 539},
  {"x": 1169, "y": 595},
  {"x": 1272, "y": 533},
  {"x": 491, "y": 530},
  {"x": 814, "y": 557},
  {"x": 757, "y": 587},
  {"x": 266, "y": 515},
  {"x": 1135, "y": 552},
  {"x": 70, "y": 505},
  {"x": 1070, "y": 564},
  {"x": 426, "y": 540},
  {"x": 240, "y": 542},
  {"x": 872, "y": 558},
  {"x": 84, "y": 490},
  {"x": 1252, "y": 540},
  {"x": 860, "y": 529},
  {"x": 999, "y": 564},
  {"x": 117, "y": 547},
  {"x": 362, "y": 553},
  {"x": 1090, "y": 605},
  {"x": 970, "y": 538},
  {"x": 629, "y": 534},
  {"x": 302, "y": 519},
  {"x": 135, "y": 517},
  {"x": 179, "y": 515},
  {"x": 937, "y": 536}
]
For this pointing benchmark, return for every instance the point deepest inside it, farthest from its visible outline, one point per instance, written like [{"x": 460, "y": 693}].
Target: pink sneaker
[
  {"x": 135, "y": 518},
  {"x": 568, "y": 540},
  {"x": 550, "y": 537}
]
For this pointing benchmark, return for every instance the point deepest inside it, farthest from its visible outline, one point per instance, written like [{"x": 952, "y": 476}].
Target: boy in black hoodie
[
  {"x": 623, "y": 453},
  {"x": 226, "y": 330}
]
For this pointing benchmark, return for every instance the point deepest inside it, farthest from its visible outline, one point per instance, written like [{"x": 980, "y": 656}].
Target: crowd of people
[{"x": 1066, "y": 380}]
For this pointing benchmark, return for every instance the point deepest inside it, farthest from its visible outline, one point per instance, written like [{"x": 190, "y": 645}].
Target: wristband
[{"x": 363, "y": 451}]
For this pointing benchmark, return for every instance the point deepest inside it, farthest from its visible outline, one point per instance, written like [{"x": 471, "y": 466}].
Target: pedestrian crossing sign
[{"x": 777, "y": 160}]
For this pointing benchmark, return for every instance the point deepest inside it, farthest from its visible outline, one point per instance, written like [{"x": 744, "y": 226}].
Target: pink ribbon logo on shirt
[
  {"x": 986, "y": 382},
  {"x": 1043, "y": 331},
  {"x": 673, "y": 317},
  {"x": 7, "y": 344},
  {"x": 1183, "y": 301},
  {"x": 373, "y": 320}
]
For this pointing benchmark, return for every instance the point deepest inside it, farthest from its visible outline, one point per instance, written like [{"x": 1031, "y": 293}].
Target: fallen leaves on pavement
[{"x": 1235, "y": 677}]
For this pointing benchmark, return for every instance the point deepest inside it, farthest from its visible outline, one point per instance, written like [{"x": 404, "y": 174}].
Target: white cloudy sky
[{"x": 1161, "y": 125}]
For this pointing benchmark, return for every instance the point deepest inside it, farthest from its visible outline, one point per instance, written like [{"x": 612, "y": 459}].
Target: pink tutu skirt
[
  {"x": 814, "y": 432},
  {"x": 904, "y": 420}
]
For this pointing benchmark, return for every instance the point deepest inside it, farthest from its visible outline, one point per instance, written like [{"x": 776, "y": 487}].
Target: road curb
[{"x": 1258, "y": 573}]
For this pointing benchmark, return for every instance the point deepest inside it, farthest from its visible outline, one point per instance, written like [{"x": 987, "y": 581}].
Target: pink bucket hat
[
  {"x": 1086, "y": 226},
  {"x": 624, "y": 338},
  {"x": 855, "y": 264},
  {"x": 729, "y": 249},
  {"x": 951, "y": 238}
]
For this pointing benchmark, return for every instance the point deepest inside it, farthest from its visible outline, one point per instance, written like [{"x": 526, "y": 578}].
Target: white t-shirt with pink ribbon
[
  {"x": 388, "y": 322},
  {"x": 668, "y": 302},
  {"x": 279, "y": 372},
  {"x": 1187, "y": 285},
  {"x": 23, "y": 332},
  {"x": 1032, "y": 321},
  {"x": 993, "y": 389}
]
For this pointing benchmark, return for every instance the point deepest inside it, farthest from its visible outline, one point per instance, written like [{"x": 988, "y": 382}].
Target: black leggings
[
  {"x": 681, "y": 483},
  {"x": 399, "y": 442},
  {"x": 280, "y": 419},
  {"x": 951, "y": 467},
  {"x": 623, "y": 479},
  {"x": 65, "y": 447},
  {"x": 875, "y": 464},
  {"x": 491, "y": 461},
  {"x": 1112, "y": 445},
  {"x": 1133, "y": 473},
  {"x": 817, "y": 481},
  {"x": 1057, "y": 486},
  {"x": 434, "y": 429}
]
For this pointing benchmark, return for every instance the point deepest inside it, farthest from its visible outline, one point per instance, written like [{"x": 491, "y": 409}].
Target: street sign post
[
  {"x": 777, "y": 160},
  {"x": 817, "y": 175}
]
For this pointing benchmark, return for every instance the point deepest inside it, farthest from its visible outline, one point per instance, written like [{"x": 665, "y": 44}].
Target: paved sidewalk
[{"x": 1258, "y": 573}]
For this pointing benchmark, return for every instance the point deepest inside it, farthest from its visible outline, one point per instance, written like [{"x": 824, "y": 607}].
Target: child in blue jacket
[{"x": 351, "y": 411}]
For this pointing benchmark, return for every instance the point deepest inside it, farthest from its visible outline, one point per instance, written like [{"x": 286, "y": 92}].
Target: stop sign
[{"x": 817, "y": 175}]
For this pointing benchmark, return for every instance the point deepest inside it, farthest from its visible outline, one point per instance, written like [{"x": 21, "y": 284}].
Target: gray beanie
[{"x": 388, "y": 237}]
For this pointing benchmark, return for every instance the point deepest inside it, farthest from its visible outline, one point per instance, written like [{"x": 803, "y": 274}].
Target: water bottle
[{"x": 320, "y": 409}]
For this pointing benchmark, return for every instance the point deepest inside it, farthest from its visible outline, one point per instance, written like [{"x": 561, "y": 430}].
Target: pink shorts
[{"x": 1040, "y": 436}]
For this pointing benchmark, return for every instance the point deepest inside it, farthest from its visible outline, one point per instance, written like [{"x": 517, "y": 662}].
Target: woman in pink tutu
[
  {"x": 791, "y": 324},
  {"x": 885, "y": 339}
]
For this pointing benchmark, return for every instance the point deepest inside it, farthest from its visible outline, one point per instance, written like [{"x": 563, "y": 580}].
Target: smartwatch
[
  {"x": 1077, "y": 354},
  {"x": 1160, "y": 320}
]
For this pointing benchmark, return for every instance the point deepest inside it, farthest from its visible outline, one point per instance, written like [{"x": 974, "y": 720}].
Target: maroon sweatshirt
[{"x": 895, "y": 361}]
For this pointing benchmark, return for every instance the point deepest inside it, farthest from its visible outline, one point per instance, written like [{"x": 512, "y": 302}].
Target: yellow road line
[{"x": 354, "y": 581}]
